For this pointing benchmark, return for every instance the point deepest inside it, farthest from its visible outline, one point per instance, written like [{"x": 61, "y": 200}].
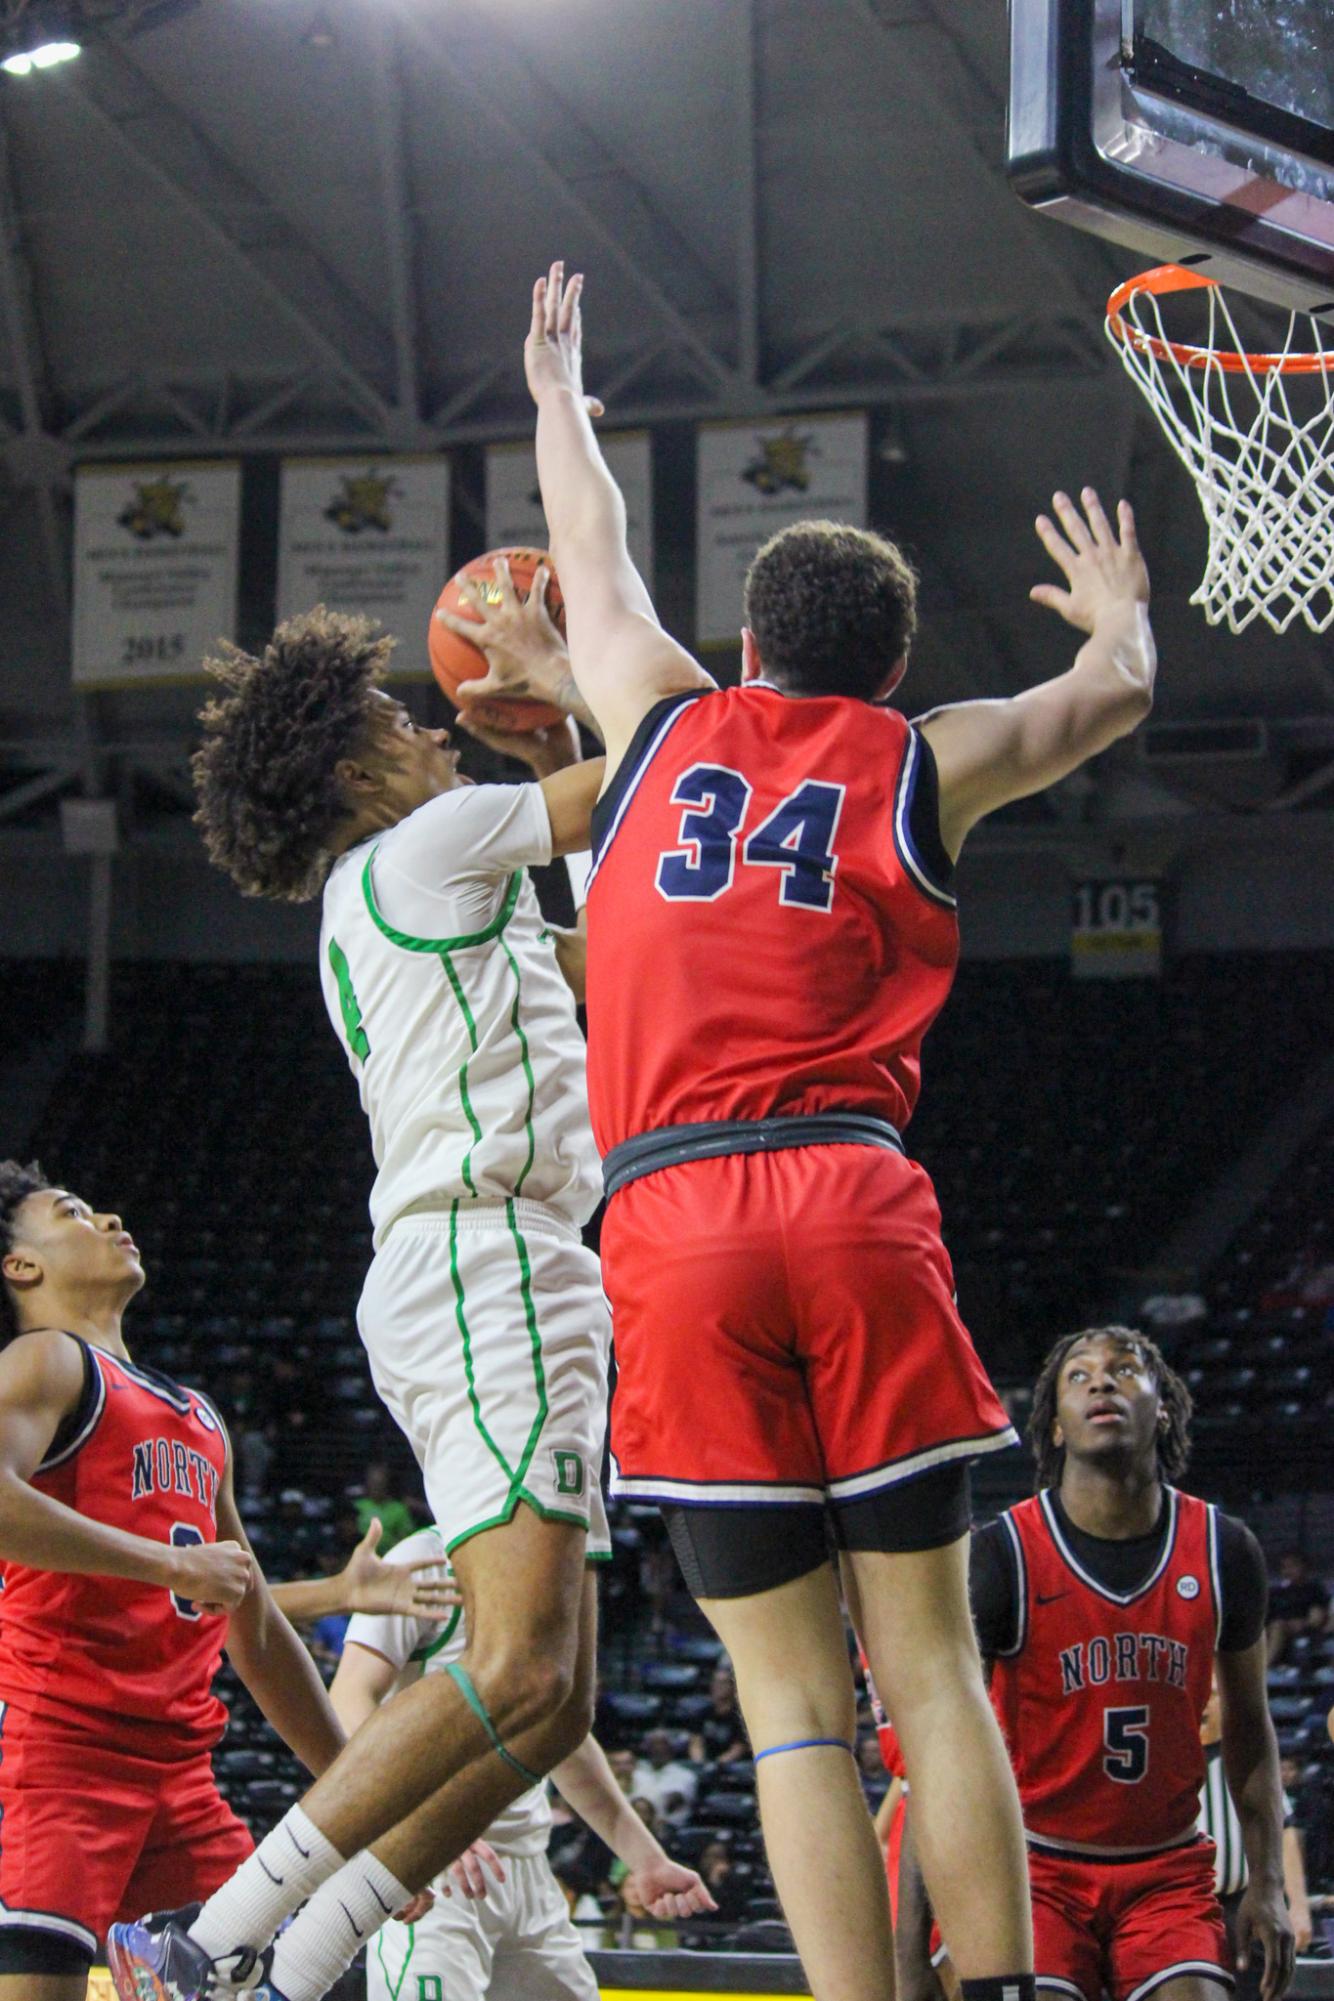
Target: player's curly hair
[
  {"x": 832, "y": 608},
  {"x": 17, "y": 1183},
  {"x": 270, "y": 801},
  {"x": 1173, "y": 1396}
]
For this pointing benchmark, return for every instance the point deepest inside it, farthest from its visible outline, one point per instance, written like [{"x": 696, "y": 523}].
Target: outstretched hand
[
  {"x": 553, "y": 352},
  {"x": 421, "y": 1590},
  {"x": 1106, "y": 576}
]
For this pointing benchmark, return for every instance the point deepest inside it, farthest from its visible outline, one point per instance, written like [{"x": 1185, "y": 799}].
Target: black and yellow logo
[
  {"x": 782, "y": 463},
  {"x": 362, "y": 501},
  {"x": 158, "y": 508}
]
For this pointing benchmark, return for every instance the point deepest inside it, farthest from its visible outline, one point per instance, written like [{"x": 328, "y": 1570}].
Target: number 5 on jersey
[
  {"x": 797, "y": 838},
  {"x": 1125, "y": 1732}
]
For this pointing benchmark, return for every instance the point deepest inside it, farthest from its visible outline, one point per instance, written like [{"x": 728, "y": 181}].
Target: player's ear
[
  {"x": 355, "y": 778},
  {"x": 1057, "y": 1435},
  {"x": 21, "y": 1270},
  {"x": 752, "y": 667}
]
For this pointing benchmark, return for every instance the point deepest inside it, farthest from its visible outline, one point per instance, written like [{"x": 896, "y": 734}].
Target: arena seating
[{"x": 224, "y": 1125}]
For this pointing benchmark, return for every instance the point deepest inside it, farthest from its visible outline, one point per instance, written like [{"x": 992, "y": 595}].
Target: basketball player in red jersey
[
  {"x": 922, "y": 1964},
  {"x": 126, "y": 1571},
  {"x": 1106, "y": 1602},
  {"x": 771, "y": 932}
]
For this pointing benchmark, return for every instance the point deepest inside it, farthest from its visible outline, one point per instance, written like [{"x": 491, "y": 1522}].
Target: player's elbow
[{"x": 1136, "y": 704}]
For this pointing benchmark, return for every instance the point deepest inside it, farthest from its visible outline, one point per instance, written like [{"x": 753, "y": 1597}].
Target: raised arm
[
  {"x": 988, "y": 753},
  {"x": 623, "y": 661},
  {"x": 41, "y": 1382},
  {"x": 1250, "y": 1760}
]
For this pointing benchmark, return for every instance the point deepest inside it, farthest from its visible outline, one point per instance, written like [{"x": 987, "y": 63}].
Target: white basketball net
[{"x": 1259, "y": 445}]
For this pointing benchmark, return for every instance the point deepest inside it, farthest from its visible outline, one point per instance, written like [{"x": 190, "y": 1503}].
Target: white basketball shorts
[{"x": 488, "y": 1337}]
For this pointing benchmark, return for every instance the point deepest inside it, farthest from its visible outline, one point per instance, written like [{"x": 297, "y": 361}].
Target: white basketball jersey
[
  {"x": 421, "y": 1646},
  {"x": 440, "y": 977}
]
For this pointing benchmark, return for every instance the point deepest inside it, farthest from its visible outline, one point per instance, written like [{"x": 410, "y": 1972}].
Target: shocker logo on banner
[
  {"x": 157, "y": 508},
  {"x": 362, "y": 501},
  {"x": 783, "y": 462}
]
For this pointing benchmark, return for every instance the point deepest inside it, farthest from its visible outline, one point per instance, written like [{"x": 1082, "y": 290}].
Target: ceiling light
[{"x": 42, "y": 55}]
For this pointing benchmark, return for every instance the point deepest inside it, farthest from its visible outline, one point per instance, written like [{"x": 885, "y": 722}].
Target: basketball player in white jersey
[
  {"x": 514, "y": 1942},
  {"x": 482, "y": 1314}
]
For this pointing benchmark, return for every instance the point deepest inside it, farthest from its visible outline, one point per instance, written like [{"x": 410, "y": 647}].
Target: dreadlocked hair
[
  {"x": 17, "y": 1183},
  {"x": 1173, "y": 1396},
  {"x": 270, "y": 801}
]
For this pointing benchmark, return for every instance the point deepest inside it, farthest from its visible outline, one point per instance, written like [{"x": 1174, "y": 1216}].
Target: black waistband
[{"x": 669, "y": 1146}]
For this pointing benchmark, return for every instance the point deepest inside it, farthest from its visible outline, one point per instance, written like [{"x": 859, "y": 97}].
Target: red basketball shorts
[
  {"x": 1125, "y": 1928},
  {"x": 90, "y": 1835},
  {"x": 785, "y": 1331}
]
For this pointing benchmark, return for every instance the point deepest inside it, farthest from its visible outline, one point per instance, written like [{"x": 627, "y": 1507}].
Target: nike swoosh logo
[
  {"x": 351, "y": 1920},
  {"x": 279, "y": 1880},
  {"x": 386, "y": 1908},
  {"x": 303, "y": 1852},
  {"x": 1050, "y": 1597}
]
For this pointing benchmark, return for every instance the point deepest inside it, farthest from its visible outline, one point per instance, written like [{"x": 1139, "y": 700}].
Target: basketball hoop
[{"x": 1256, "y": 434}]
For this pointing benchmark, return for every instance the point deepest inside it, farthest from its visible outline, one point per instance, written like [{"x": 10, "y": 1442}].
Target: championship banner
[
  {"x": 754, "y": 479},
  {"x": 367, "y": 535},
  {"x": 155, "y": 553},
  {"x": 1116, "y": 930},
  {"x": 514, "y": 516}
]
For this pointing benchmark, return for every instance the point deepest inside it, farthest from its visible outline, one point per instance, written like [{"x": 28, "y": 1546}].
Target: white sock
[
  {"x": 269, "y": 1885},
  {"x": 344, "y": 1912}
]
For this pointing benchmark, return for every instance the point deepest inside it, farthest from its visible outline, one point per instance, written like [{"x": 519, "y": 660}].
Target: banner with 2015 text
[
  {"x": 367, "y": 535},
  {"x": 514, "y": 517},
  {"x": 155, "y": 555},
  {"x": 753, "y": 479}
]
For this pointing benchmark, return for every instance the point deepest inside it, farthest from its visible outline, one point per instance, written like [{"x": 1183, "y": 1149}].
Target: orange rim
[{"x": 1165, "y": 279}]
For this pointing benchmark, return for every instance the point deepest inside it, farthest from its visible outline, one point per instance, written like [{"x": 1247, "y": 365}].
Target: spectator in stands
[
  {"x": 376, "y": 1503},
  {"x": 326, "y": 1636},
  {"x": 580, "y": 1860},
  {"x": 727, "y": 1889},
  {"x": 254, "y": 1456},
  {"x": 1298, "y": 1603},
  {"x": 622, "y": 1764},
  {"x": 664, "y": 1779},
  {"x": 874, "y": 1777},
  {"x": 721, "y": 1736},
  {"x": 300, "y": 1535}
]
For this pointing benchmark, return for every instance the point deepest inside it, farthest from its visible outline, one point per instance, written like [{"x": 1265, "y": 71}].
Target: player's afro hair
[
  {"x": 17, "y": 1183},
  {"x": 1173, "y": 1396},
  {"x": 270, "y": 801},
  {"x": 832, "y": 608}
]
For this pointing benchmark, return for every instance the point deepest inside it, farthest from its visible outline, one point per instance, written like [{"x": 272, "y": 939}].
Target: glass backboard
[{"x": 1199, "y": 132}]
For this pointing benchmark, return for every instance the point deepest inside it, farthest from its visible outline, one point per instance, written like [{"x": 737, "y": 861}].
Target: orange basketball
[{"x": 454, "y": 659}]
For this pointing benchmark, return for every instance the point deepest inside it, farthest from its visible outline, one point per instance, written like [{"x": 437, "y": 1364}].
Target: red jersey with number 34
[
  {"x": 1101, "y": 1699},
  {"x": 128, "y": 1664},
  {"x": 767, "y": 936}
]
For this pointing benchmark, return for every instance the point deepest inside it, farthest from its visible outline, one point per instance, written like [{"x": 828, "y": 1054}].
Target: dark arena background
[{"x": 264, "y": 272}]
